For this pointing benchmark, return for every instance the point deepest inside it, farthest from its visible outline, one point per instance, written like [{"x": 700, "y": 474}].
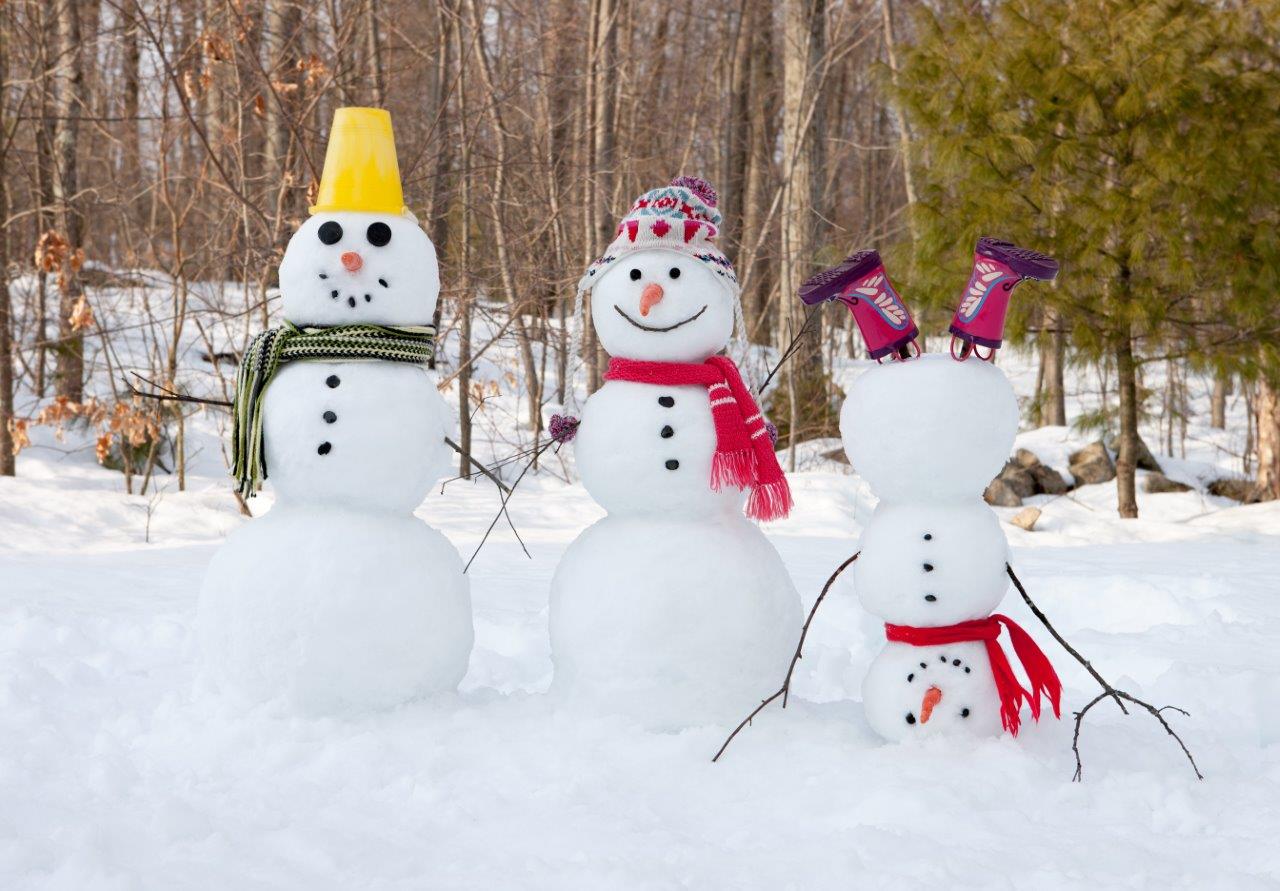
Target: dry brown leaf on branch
[
  {"x": 81, "y": 315},
  {"x": 18, "y": 434},
  {"x": 314, "y": 69},
  {"x": 102, "y": 448},
  {"x": 190, "y": 84},
  {"x": 259, "y": 106},
  {"x": 51, "y": 248},
  {"x": 58, "y": 412},
  {"x": 216, "y": 48}
]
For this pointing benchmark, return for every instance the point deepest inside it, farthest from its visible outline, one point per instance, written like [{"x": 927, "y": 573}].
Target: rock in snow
[{"x": 1092, "y": 464}]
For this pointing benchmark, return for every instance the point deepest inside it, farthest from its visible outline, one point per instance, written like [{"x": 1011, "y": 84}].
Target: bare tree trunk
[
  {"x": 900, "y": 121},
  {"x": 131, "y": 160},
  {"x": 438, "y": 210},
  {"x": 803, "y": 38},
  {"x": 1268, "y": 445},
  {"x": 374, "y": 50},
  {"x": 1218, "y": 401},
  {"x": 738, "y": 135},
  {"x": 1127, "y": 453},
  {"x": 6, "y": 306},
  {"x": 465, "y": 297},
  {"x": 70, "y": 105},
  {"x": 497, "y": 199},
  {"x": 1053, "y": 402},
  {"x": 605, "y": 34}
]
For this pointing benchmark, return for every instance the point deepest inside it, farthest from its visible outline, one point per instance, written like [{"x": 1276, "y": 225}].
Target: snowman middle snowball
[{"x": 674, "y": 609}]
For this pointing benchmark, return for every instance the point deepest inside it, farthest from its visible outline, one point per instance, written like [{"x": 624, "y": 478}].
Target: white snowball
[
  {"x": 335, "y": 611},
  {"x": 929, "y": 428},
  {"x": 386, "y": 444},
  {"x": 895, "y": 688},
  {"x": 672, "y": 622},
  {"x": 622, "y": 454},
  {"x": 692, "y": 321},
  {"x": 400, "y": 279},
  {"x": 954, "y": 552}
]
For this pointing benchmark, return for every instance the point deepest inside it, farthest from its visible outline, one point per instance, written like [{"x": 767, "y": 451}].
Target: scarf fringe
[
  {"x": 736, "y": 468},
  {"x": 770, "y": 501}
]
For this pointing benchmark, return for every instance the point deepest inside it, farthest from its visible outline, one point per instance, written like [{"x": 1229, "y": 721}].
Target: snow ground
[{"x": 119, "y": 769}]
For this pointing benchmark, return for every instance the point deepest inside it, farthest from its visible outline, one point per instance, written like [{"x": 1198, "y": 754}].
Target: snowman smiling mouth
[{"x": 642, "y": 327}]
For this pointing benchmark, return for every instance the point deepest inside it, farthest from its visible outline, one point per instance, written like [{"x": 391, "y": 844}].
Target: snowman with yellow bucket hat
[{"x": 338, "y": 598}]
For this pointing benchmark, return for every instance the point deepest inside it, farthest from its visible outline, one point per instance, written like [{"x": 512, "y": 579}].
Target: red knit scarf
[
  {"x": 744, "y": 453},
  {"x": 1034, "y": 662}
]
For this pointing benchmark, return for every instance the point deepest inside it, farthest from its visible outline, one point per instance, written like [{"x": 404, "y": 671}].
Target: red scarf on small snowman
[
  {"x": 1034, "y": 662},
  {"x": 744, "y": 452}
]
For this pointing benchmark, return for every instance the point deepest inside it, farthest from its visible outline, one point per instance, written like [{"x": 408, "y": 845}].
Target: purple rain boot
[
  {"x": 998, "y": 266},
  {"x": 861, "y": 284}
]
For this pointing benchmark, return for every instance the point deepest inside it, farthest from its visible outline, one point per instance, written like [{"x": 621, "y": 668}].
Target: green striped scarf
[{"x": 413, "y": 344}]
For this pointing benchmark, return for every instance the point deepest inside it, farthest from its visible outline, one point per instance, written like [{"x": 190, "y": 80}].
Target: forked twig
[
  {"x": 1108, "y": 691},
  {"x": 785, "y": 690},
  {"x": 168, "y": 395},
  {"x": 791, "y": 349},
  {"x": 503, "y": 508}
]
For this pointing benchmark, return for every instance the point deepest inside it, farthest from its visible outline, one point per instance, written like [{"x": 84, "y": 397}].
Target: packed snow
[{"x": 121, "y": 768}]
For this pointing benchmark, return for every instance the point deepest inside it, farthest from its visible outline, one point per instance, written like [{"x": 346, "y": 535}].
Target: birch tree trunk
[
  {"x": 6, "y": 304},
  {"x": 69, "y": 104},
  {"x": 1268, "y": 446},
  {"x": 803, "y": 36}
]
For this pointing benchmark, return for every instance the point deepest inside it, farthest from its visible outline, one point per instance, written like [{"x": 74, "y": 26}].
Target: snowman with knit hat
[
  {"x": 674, "y": 609},
  {"x": 339, "y": 598},
  {"x": 928, "y": 433}
]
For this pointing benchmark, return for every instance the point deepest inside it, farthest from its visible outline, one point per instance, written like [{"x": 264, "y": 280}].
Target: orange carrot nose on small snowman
[
  {"x": 650, "y": 297},
  {"x": 351, "y": 260},
  {"x": 932, "y": 697}
]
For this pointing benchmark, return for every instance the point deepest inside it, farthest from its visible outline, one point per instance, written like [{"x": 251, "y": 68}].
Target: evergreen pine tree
[{"x": 1134, "y": 140}]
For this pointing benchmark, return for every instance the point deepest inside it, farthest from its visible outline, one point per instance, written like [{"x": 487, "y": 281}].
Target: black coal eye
[
  {"x": 635, "y": 275},
  {"x": 675, "y": 272},
  {"x": 330, "y": 232},
  {"x": 378, "y": 234}
]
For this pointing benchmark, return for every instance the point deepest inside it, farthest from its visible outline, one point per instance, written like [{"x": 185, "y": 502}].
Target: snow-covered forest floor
[{"x": 120, "y": 769}]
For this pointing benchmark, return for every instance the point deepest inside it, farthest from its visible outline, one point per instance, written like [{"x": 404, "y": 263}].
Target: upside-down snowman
[
  {"x": 674, "y": 609},
  {"x": 339, "y": 598},
  {"x": 928, "y": 434}
]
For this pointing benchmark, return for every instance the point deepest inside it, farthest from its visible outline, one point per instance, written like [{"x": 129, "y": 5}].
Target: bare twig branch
[
  {"x": 785, "y": 690},
  {"x": 1108, "y": 691}
]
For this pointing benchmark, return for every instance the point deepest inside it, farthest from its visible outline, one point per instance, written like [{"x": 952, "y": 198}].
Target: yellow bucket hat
[{"x": 360, "y": 168}]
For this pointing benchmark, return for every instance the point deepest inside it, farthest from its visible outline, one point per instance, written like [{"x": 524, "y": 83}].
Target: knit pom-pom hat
[{"x": 681, "y": 217}]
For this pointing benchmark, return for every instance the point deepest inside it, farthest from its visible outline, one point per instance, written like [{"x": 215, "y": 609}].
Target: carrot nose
[
  {"x": 932, "y": 697},
  {"x": 650, "y": 297},
  {"x": 352, "y": 261}
]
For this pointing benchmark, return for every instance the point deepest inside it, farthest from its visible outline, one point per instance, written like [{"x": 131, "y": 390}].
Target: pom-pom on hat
[{"x": 680, "y": 217}]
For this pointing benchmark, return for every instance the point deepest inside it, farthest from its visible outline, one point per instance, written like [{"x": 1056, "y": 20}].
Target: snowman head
[
  {"x": 929, "y": 429},
  {"x": 661, "y": 306},
  {"x": 663, "y": 291},
  {"x": 361, "y": 258},
  {"x": 354, "y": 267}
]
